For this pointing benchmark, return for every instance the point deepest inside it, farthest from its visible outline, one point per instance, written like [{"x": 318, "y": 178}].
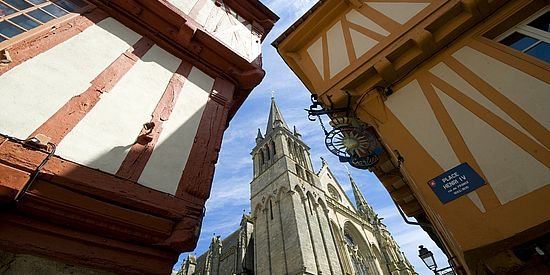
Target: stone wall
[{"x": 18, "y": 264}]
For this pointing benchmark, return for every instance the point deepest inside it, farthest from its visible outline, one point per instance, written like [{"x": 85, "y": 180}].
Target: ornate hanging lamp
[{"x": 350, "y": 139}]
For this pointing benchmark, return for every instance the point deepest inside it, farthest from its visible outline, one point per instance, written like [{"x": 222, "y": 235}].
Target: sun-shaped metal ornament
[
  {"x": 350, "y": 139},
  {"x": 356, "y": 145},
  {"x": 348, "y": 142}
]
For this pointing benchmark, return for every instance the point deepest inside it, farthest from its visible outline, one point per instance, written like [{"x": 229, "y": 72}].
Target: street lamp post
[{"x": 428, "y": 258}]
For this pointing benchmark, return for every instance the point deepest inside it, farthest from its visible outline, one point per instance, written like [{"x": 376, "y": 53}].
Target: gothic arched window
[
  {"x": 297, "y": 152},
  {"x": 273, "y": 148},
  {"x": 333, "y": 193},
  {"x": 290, "y": 147},
  {"x": 268, "y": 152},
  {"x": 262, "y": 158},
  {"x": 358, "y": 261}
]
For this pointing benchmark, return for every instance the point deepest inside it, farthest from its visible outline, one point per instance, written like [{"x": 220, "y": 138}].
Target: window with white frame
[
  {"x": 531, "y": 36},
  {"x": 20, "y": 16}
]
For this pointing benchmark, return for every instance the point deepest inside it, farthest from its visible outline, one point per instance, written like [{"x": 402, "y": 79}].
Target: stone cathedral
[{"x": 302, "y": 222}]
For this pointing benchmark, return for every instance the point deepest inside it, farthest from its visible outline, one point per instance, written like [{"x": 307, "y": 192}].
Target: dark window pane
[
  {"x": 55, "y": 10},
  {"x": 5, "y": 10},
  {"x": 71, "y": 5},
  {"x": 541, "y": 51},
  {"x": 9, "y": 30},
  {"x": 25, "y": 22},
  {"x": 542, "y": 23},
  {"x": 37, "y": 1},
  {"x": 40, "y": 15},
  {"x": 2, "y": 38},
  {"x": 518, "y": 41},
  {"x": 18, "y": 4}
]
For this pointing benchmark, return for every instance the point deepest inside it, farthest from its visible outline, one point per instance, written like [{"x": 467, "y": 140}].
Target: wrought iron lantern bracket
[
  {"x": 351, "y": 140},
  {"x": 316, "y": 109}
]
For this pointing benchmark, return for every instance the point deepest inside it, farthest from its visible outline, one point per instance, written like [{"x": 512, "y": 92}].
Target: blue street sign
[{"x": 456, "y": 182}]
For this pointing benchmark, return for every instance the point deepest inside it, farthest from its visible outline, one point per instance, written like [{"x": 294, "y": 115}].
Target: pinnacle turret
[
  {"x": 296, "y": 133},
  {"x": 259, "y": 136},
  {"x": 363, "y": 206},
  {"x": 323, "y": 162}
]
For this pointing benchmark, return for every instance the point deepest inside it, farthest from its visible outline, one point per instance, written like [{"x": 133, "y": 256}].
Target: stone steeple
[
  {"x": 275, "y": 118},
  {"x": 363, "y": 206},
  {"x": 291, "y": 229},
  {"x": 301, "y": 222},
  {"x": 280, "y": 144}
]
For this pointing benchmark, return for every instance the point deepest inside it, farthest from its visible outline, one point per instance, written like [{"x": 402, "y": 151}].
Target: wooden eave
[
  {"x": 182, "y": 36},
  {"x": 395, "y": 59}
]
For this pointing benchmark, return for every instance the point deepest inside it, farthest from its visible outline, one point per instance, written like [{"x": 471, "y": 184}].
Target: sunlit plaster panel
[
  {"x": 164, "y": 168},
  {"x": 444, "y": 72},
  {"x": 412, "y": 109},
  {"x": 33, "y": 91},
  {"x": 184, "y": 5},
  {"x": 233, "y": 31},
  {"x": 528, "y": 92},
  {"x": 315, "y": 52},
  {"x": 224, "y": 24},
  {"x": 337, "y": 56},
  {"x": 104, "y": 136},
  {"x": 361, "y": 42},
  {"x": 400, "y": 12},
  {"x": 203, "y": 14},
  {"x": 357, "y": 18},
  {"x": 511, "y": 171}
]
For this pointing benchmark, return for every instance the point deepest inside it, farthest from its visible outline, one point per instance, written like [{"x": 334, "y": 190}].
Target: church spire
[
  {"x": 363, "y": 206},
  {"x": 275, "y": 118}
]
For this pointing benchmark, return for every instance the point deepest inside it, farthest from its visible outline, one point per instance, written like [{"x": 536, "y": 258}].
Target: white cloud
[
  {"x": 291, "y": 9},
  {"x": 233, "y": 191},
  {"x": 388, "y": 213}
]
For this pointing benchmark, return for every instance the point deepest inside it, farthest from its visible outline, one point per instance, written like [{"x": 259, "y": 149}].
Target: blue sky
[{"x": 230, "y": 190}]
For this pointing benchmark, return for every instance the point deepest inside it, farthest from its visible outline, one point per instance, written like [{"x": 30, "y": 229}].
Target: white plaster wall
[
  {"x": 510, "y": 170},
  {"x": 361, "y": 43},
  {"x": 337, "y": 54},
  {"x": 315, "y": 51},
  {"x": 401, "y": 12},
  {"x": 235, "y": 33},
  {"x": 164, "y": 168},
  {"x": 184, "y": 5},
  {"x": 104, "y": 136},
  {"x": 33, "y": 91},
  {"x": 444, "y": 72},
  {"x": 529, "y": 93},
  {"x": 204, "y": 13},
  {"x": 357, "y": 18},
  {"x": 411, "y": 107}
]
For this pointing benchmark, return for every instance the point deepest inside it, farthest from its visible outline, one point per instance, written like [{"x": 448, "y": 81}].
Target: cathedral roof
[{"x": 275, "y": 117}]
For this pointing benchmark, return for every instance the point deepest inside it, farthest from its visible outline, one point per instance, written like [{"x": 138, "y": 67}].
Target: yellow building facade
[{"x": 444, "y": 83}]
